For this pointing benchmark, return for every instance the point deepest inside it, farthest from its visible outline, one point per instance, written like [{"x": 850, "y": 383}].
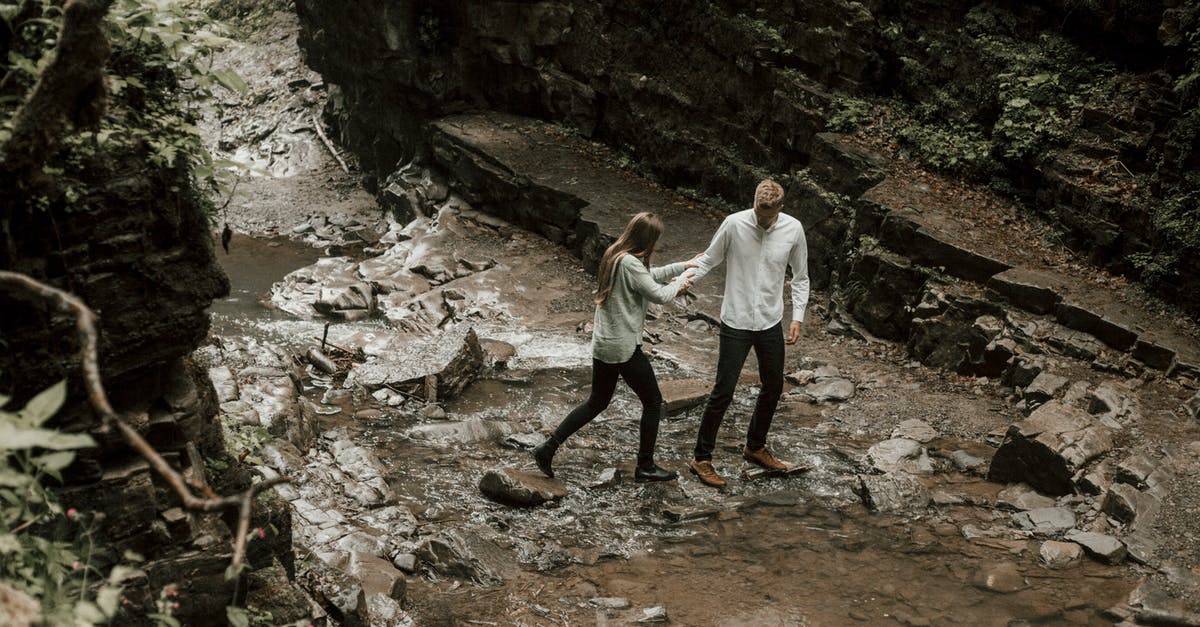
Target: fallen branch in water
[{"x": 85, "y": 325}]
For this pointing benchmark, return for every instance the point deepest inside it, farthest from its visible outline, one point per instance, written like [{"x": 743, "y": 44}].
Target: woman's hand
[
  {"x": 694, "y": 262},
  {"x": 685, "y": 282}
]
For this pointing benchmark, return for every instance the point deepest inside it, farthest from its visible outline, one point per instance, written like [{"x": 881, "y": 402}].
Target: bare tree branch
[{"x": 85, "y": 325}]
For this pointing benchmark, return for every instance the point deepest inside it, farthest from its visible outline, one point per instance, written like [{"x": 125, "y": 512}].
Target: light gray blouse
[{"x": 620, "y": 320}]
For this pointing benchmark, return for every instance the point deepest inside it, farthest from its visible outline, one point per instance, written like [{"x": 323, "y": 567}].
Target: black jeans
[
  {"x": 640, "y": 376},
  {"x": 735, "y": 346}
]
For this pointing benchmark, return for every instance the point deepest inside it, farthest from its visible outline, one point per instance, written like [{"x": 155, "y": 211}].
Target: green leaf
[
  {"x": 230, "y": 80},
  {"x": 107, "y": 599},
  {"x": 9, "y": 543},
  {"x": 17, "y": 438},
  {"x": 164, "y": 619},
  {"x": 54, "y": 462},
  {"x": 1017, "y": 103},
  {"x": 232, "y": 572},
  {"x": 4, "y": 400},
  {"x": 121, "y": 574},
  {"x": 41, "y": 407},
  {"x": 237, "y": 616}
]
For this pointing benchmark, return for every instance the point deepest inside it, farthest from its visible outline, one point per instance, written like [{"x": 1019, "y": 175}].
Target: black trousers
[
  {"x": 735, "y": 346},
  {"x": 640, "y": 376}
]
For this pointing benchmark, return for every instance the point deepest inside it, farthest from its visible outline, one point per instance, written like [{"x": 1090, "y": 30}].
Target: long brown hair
[{"x": 639, "y": 238}]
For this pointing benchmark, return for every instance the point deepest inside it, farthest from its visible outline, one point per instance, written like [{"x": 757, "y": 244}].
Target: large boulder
[
  {"x": 460, "y": 553},
  {"x": 1048, "y": 448},
  {"x": 437, "y": 368}
]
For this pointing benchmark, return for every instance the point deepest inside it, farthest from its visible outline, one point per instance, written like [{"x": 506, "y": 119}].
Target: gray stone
[
  {"x": 461, "y": 553},
  {"x": 406, "y": 562},
  {"x": 914, "y": 429},
  {"x": 1022, "y": 497},
  {"x": 524, "y": 440},
  {"x": 1136, "y": 471},
  {"x": 1125, "y": 503},
  {"x": 522, "y": 489},
  {"x": 1045, "y": 519},
  {"x": 435, "y": 369},
  {"x": 1142, "y": 546},
  {"x": 1033, "y": 291},
  {"x": 1105, "y": 400},
  {"x": 1103, "y": 547},
  {"x": 1044, "y": 387},
  {"x": 1091, "y": 318},
  {"x": 1056, "y": 554},
  {"x": 1004, "y": 578},
  {"x": 610, "y": 603},
  {"x": 461, "y": 432},
  {"x": 224, "y": 383},
  {"x": 376, "y": 575},
  {"x": 965, "y": 461},
  {"x": 1022, "y": 371},
  {"x": 833, "y": 390},
  {"x": 893, "y": 493},
  {"x": 652, "y": 615},
  {"x": 606, "y": 479},
  {"x": 682, "y": 394},
  {"x": 1048, "y": 448},
  {"x": 899, "y": 454}
]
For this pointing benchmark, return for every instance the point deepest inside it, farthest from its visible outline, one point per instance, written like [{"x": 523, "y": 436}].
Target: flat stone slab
[
  {"x": 1034, "y": 291},
  {"x": 899, "y": 454},
  {"x": 461, "y": 432},
  {"x": 893, "y": 493},
  {"x": 1023, "y": 497},
  {"x": 1045, "y": 519},
  {"x": 682, "y": 394},
  {"x": 1103, "y": 547},
  {"x": 521, "y": 489},
  {"x": 1055, "y": 554},
  {"x": 437, "y": 368}
]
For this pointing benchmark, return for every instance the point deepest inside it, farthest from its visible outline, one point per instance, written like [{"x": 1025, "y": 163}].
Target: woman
[{"x": 625, "y": 287}]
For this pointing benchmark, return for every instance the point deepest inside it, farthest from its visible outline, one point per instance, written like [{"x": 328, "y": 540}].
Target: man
[{"x": 757, "y": 245}]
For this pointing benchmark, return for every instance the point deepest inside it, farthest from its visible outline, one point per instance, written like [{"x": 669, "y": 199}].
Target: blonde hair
[
  {"x": 639, "y": 238},
  {"x": 768, "y": 195}
]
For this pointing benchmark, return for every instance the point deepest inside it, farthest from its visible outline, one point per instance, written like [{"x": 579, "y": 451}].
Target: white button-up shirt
[{"x": 757, "y": 261}]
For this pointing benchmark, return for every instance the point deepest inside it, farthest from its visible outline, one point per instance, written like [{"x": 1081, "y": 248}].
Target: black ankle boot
[
  {"x": 543, "y": 454},
  {"x": 651, "y": 472}
]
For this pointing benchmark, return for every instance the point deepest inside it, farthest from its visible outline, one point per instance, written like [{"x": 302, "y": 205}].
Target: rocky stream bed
[{"x": 447, "y": 345}]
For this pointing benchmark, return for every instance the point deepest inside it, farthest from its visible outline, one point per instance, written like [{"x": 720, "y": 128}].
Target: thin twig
[
  {"x": 85, "y": 324},
  {"x": 1126, "y": 168},
  {"x": 329, "y": 144}
]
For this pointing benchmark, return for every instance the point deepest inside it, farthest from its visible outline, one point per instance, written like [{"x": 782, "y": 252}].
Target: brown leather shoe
[
  {"x": 707, "y": 474},
  {"x": 762, "y": 457}
]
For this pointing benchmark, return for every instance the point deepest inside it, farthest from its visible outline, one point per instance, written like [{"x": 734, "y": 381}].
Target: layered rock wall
[{"x": 710, "y": 97}]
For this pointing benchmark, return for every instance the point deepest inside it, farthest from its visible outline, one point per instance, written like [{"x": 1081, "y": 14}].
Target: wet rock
[
  {"x": 521, "y": 489},
  {"x": 913, "y": 429},
  {"x": 1125, "y": 503},
  {"x": 1048, "y": 448},
  {"x": 1103, "y": 547},
  {"x": 396, "y": 519},
  {"x": 1045, "y": 519},
  {"x": 300, "y": 290},
  {"x": 384, "y": 611},
  {"x": 386, "y": 275},
  {"x": 654, "y": 615},
  {"x": 224, "y": 383},
  {"x": 893, "y": 493},
  {"x": 1044, "y": 387},
  {"x": 465, "y": 554},
  {"x": 336, "y": 591},
  {"x": 682, "y": 394},
  {"x": 1056, "y": 554},
  {"x": 890, "y": 285},
  {"x": 1004, "y": 578},
  {"x": 376, "y": 575},
  {"x": 438, "y": 368},
  {"x": 496, "y": 353},
  {"x": 1152, "y": 605},
  {"x": 461, "y": 432},
  {"x": 610, "y": 603},
  {"x": 406, "y": 562},
  {"x": 966, "y": 462},
  {"x": 606, "y": 479},
  {"x": 833, "y": 390},
  {"x": 1137, "y": 471},
  {"x": 690, "y": 514},
  {"x": 524, "y": 440},
  {"x": 1023, "y": 497},
  {"x": 899, "y": 454}
]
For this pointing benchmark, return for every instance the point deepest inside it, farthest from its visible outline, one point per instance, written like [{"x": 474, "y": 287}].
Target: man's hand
[
  {"x": 793, "y": 332},
  {"x": 685, "y": 282},
  {"x": 694, "y": 262}
]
